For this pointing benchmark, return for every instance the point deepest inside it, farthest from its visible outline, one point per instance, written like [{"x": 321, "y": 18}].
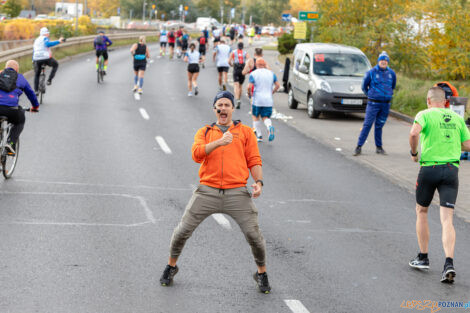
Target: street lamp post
[{"x": 143, "y": 11}]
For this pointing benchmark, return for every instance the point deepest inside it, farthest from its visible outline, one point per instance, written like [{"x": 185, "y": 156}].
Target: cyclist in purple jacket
[
  {"x": 9, "y": 105},
  {"x": 101, "y": 45}
]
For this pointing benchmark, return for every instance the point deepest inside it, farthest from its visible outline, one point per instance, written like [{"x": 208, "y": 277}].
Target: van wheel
[
  {"x": 312, "y": 113},
  {"x": 291, "y": 102}
]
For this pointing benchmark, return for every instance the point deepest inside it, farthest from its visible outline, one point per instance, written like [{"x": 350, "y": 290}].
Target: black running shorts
[
  {"x": 238, "y": 77},
  {"x": 193, "y": 68},
  {"x": 140, "y": 66},
  {"x": 444, "y": 178},
  {"x": 171, "y": 44},
  {"x": 221, "y": 69},
  {"x": 202, "y": 49},
  {"x": 162, "y": 44},
  {"x": 216, "y": 39},
  {"x": 104, "y": 53}
]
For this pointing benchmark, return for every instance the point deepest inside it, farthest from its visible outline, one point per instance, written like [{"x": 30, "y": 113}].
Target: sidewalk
[{"x": 341, "y": 132}]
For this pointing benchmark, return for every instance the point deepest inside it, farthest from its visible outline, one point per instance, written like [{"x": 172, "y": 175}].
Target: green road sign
[{"x": 308, "y": 16}]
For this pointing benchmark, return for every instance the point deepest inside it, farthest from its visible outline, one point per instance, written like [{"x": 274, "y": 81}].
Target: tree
[
  {"x": 106, "y": 8},
  {"x": 12, "y": 8}
]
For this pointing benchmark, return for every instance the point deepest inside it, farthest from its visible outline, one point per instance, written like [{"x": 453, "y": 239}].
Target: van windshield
[{"x": 340, "y": 64}]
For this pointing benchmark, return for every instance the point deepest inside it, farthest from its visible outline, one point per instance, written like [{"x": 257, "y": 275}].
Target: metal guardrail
[{"x": 28, "y": 50}]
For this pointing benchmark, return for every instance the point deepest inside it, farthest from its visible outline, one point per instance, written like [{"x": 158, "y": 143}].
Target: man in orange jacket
[{"x": 228, "y": 152}]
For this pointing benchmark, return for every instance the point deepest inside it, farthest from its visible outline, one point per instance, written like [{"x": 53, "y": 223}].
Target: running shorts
[
  {"x": 193, "y": 68},
  {"x": 216, "y": 39},
  {"x": 238, "y": 77},
  {"x": 140, "y": 66},
  {"x": 261, "y": 111},
  {"x": 171, "y": 44},
  {"x": 444, "y": 178},
  {"x": 202, "y": 49},
  {"x": 221, "y": 69},
  {"x": 184, "y": 46},
  {"x": 104, "y": 53},
  {"x": 162, "y": 44}
]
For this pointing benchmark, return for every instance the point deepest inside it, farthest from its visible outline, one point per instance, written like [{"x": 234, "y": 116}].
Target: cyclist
[
  {"x": 12, "y": 86},
  {"x": 163, "y": 41},
  {"x": 202, "y": 45},
  {"x": 140, "y": 53},
  {"x": 238, "y": 60},
  {"x": 193, "y": 58},
  {"x": 171, "y": 42},
  {"x": 222, "y": 52},
  {"x": 42, "y": 55},
  {"x": 101, "y": 44}
]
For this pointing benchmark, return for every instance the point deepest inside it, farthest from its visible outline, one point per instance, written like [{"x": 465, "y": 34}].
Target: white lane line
[
  {"x": 163, "y": 145},
  {"x": 147, "y": 210},
  {"x": 136, "y": 96},
  {"x": 339, "y": 149},
  {"x": 144, "y": 113},
  {"x": 222, "y": 220},
  {"x": 296, "y": 306}
]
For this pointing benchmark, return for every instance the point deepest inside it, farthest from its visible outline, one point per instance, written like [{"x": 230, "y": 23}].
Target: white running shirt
[
  {"x": 263, "y": 80},
  {"x": 223, "y": 54},
  {"x": 193, "y": 57}
]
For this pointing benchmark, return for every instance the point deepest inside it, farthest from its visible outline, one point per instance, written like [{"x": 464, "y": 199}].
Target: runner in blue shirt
[{"x": 101, "y": 44}]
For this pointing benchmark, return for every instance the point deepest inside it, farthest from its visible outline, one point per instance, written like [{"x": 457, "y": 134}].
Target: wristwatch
[
  {"x": 260, "y": 181},
  {"x": 413, "y": 154}
]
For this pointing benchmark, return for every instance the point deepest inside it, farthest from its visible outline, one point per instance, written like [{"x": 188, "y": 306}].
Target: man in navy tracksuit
[{"x": 378, "y": 85}]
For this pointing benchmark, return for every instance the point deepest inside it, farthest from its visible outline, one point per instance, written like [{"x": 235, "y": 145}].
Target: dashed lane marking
[
  {"x": 144, "y": 114},
  {"x": 296, "y": 306},
  {"x": 163, "y": 145},
  {"x": 136, "y": 96},
  {"x": 222, "y": 220}
]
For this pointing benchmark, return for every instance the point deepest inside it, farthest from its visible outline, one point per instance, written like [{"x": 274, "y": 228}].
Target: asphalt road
[{"x": 87, "y": 218}]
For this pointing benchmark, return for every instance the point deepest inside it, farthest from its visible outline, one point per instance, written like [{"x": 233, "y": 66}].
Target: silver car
[{"x": 327, "y": 77}]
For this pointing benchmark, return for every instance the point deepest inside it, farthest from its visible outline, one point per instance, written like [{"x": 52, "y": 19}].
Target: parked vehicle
[
  {"x": 203, "y": 22},
  {"x": 327, "y": 77}
]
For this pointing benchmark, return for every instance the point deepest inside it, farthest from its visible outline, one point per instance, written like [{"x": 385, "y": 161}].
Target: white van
[{"x": 203, "y": 22}]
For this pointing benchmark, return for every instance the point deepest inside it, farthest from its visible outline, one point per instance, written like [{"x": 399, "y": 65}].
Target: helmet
[{"x": 44, "y": 31}]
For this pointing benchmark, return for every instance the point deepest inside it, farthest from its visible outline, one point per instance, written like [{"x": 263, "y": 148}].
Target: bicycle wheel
[
  {"x": 42, "y": 87},
  {"x": 9, "y": 161}
]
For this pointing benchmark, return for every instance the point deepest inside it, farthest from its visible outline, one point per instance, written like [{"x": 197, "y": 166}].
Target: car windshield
[{"x": 340, "y": 64}]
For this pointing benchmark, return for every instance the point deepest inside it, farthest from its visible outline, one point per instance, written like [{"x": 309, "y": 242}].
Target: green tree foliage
[
  {"x": 423, "y": 37},
  {"x": 12, "y": 8},
  {"x": 267, "y": 11}
]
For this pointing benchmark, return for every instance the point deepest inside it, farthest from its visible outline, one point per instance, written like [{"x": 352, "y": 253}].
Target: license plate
[{"x": 351, "y": 101}]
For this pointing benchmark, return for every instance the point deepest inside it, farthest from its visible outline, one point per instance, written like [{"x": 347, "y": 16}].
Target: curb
[{"x": 401, "y": 116}]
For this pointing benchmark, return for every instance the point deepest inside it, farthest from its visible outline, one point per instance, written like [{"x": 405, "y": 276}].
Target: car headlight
[{"x": 325, "y": 86}]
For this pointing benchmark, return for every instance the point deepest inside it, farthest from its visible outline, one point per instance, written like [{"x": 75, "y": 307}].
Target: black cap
[{"x": 224, "y": 94}]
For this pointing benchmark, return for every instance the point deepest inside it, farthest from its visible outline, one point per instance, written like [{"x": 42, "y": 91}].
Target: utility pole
[
  {"x": 221, "y": 12},
  {"x": 76, "y": 16},
  {"x": 143, "y": 11}
]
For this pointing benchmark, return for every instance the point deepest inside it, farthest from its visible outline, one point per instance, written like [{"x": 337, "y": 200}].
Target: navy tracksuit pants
[{"x": 375, "y": 112}]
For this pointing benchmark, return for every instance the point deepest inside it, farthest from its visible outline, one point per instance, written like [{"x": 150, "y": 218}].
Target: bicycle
[
  {"x": 42, "y": 83},
  {"x": 100, "y": 71},
  {"x": 7, "y": 160}
]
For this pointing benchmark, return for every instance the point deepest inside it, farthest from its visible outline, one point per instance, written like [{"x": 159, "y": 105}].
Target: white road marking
[
  {"x": 101, "y": 185},
  {"x": 339, "y": 149},
  {"x": 296, "y": 306},
  {"x": 143, "y": 203},
  {"x": 222, "y": 220},
  {"x": 163, "y": 144},
  {"x": 136, "y": 96},
  {"x": 144, "y": 113},
  {"x": 337, "y": 138}
]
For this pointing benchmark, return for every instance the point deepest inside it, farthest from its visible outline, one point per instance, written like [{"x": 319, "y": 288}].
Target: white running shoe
[
  {"x": 135, "y": 88},
  {"x": 140, "y": 91},
  {"x": 190, "y": 94}
]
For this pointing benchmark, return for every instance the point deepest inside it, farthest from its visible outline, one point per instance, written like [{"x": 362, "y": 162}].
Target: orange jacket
[{"x": 227, "y": 166}]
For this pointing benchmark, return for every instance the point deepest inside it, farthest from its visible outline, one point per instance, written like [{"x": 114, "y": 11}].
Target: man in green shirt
[{"x": 443, "y": 136}]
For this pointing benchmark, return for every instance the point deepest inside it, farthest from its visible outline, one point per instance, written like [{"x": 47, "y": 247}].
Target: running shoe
[
  {"x": 238, "y": 104},
  {"x": 259, "y": 138},
  {"x": 357, "y": 151},
  {"x": 448, "y": 274},
  {"x": 140, "y": 91},
  {"x": 135, "y": 88},
  {"x": 196, "y": 90},
  {"x": 49, "y": 82},
  {"x": 224, "y": 87},
  {"x": 271, "y": 133},
  {"x": 419, "y": 263},
  {"x": 11, "y": 148},
  {"x": 168, "y": 274},
  {"x": 190, "y": 94},
  {"x": 380, "y": 150},
  {"x": 203, "y": 65},
  {"x": 262, "y": 282}
]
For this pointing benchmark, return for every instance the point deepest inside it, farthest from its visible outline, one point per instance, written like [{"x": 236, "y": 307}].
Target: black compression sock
[
  {"x": 423, "y": 256},
  {"x": 450, "y": 261}
]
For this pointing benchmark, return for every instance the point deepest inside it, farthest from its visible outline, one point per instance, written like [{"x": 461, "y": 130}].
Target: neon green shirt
[{"x": 442, "y": 136}]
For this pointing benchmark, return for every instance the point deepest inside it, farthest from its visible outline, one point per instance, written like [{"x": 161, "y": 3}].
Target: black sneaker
[
  {"x": 168, "y": 274},
  {"x": 262, "y": 281},
  {"x": 196, "y": 91},
  {"x": 380, "y": 150},
  {"x": 238, "y": 104},
  {"x": 49, "y": 83},
  {"x": 448, "y": 274},
  {"x": 419, "y": 263},
  {"x": 357, "y": 151}
]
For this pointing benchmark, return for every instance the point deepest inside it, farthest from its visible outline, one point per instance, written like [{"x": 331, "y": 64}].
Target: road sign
[
  {"x": 300, "y": 30},
  {"x": 153, "y": 6},
  {"x": 286, "y": 17},
  {"x": 186, "y": 8},
  {"x": 308, "y": 16},
  {"x": 232, "y": 12},
  {"x": 181, "y": 8}
]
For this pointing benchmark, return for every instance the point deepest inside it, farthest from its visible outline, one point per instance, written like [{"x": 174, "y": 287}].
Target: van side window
[
  {"x": 298, "y": 58},
  {"x": 306, "y": 62}
]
